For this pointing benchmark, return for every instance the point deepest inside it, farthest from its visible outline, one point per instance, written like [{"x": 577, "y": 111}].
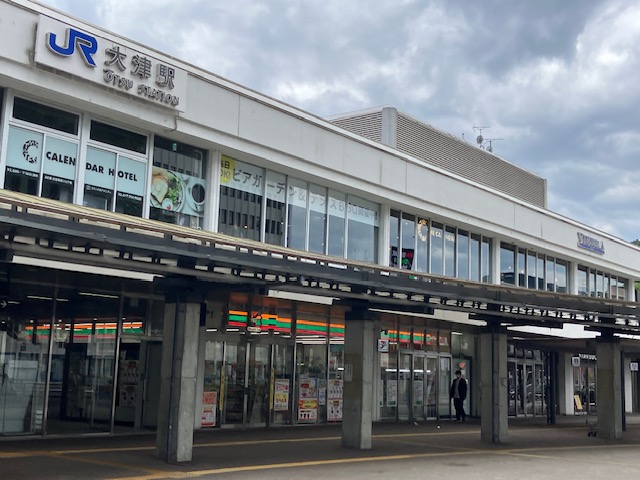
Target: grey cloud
[{"x": 555, "y": 80}]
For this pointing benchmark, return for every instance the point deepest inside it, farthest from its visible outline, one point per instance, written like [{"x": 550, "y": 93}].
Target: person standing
[{"x": 458, "y": 392}]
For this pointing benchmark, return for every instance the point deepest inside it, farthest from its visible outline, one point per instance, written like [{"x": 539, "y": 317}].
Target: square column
[
  {"x": 494, "y": 425},
  {"x": 359, "y": 351},
  {"x": 609, "y": 388},
  {"x": 176, "y": 410}
]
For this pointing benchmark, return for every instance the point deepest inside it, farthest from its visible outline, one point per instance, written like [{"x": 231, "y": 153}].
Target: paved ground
[{"x": 406, "y": 451}]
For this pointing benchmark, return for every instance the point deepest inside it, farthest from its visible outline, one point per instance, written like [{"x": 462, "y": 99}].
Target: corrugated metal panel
[
  {"x": 468, "y": 161},
  {"x": 450, "y": 153},
  {"x": 368, "y": 125}
]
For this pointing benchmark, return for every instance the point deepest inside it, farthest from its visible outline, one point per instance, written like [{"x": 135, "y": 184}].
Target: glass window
[
  {"x": 583, "y": 287},
  {"x": 450, "y": 251},
  {"x": 311, "y": 360},
  {"x": 540, "y": 272},
  {"x": 474, "y": 248},
  {"x": 394, "y": 237},
  {"x": 551, "y": 275},
  {"x": 507, "y": 265},
  {"x": 607, "y": 286},
  {"x": 408, "y": 241},
  {"x": 41, "y": 164},
  {"x": 363, "y": 225},
  {"x": 297, "y": 214},
  {"x": 422, "y": 249},
  {"x": 102, "y": 182},
  {"x": 561, "y": 276},
  {"x": 59, "y": 169},
  {"x": 463, "y": 254},
  {"x": 99, "y": 181},
  {"x": 24, "y": 160},
  {"x": 486, "y": 260},
  {"x": 337, "y": 216},
  {"x": 599, "y": 285},
  {"x": 592, "y": 283},
  {"x": 177, "y": 183},
  {"x": 317, "y": 218},
  {"x": 522, "y": 268},
  {"x": 45, "y": 116},
  {"x": 130, "y": 187},
  {"x": 531, "y": 270},
  {"x": 101, "y": 132},
  {"x": 622, "y": 289},
  {"x": 437, "y": 248},
  {"x": 614, "y": 287},
  {"x": 275, "y": 214}
]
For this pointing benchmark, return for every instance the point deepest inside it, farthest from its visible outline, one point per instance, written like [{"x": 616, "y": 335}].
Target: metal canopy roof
[{"x": 46, "y": 229}]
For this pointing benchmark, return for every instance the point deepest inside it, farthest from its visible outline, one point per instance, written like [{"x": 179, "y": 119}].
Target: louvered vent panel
[
  {"x": 368, "y": 125},
  {"x": 454, "y": 155}
]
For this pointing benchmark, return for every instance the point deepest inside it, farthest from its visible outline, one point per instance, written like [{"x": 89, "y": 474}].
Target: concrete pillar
[
  {"x": 359, "y": 350},
  {"x": 494, "y": 386},
  {"x": 609, "y": 388},
  {"x": 176, "y": 410},
  {"x": 565, "y": 384}
]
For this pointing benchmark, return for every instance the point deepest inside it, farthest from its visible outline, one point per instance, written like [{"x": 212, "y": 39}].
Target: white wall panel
[
  {"x": 17, "y": 31},
  {"x": 213, "y": 106}
]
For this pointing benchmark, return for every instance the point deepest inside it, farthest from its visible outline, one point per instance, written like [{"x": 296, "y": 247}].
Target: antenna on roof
[
  {"x": 491, "y": 140},
  {"x": 479, "y": 138}
]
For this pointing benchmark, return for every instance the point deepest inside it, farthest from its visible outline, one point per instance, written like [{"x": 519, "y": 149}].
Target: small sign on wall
[
  {"x": 575, "y": 361},
  {"x": 633, "y": 366}
]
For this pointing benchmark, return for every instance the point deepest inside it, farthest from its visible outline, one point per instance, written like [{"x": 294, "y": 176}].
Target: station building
[{"x": 180, "y": 252}]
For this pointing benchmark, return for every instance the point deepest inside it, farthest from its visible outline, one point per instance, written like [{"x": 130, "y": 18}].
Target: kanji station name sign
[{"x": 110, "y": 63}]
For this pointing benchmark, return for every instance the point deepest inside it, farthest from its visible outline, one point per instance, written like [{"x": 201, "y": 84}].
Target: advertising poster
[
  {"x": 308, "y": 388},
  {"x": 308, "y": 410},
  {"x": 209, "y": 404},
  {"x": 177, "y": 192},
  {"x": 392, "y": 393},
  {"x": 335, "y": 389},
  {"x": 418, "y": 390},
  {"x": 334, "y": 410},
  {"x": 281, "y": 395}
]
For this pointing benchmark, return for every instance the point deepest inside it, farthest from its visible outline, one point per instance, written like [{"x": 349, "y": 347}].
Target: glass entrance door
[
  {"x": 82, "y": 363},
  {"x": 445, "y": 382},
  {"x": 404, "y": 386},
  {"x": 258, "y": 385},
  {"x": 246, "y": 384},
  {"x": 418, "y": 387},
  {"x": 431, "y": 387}
]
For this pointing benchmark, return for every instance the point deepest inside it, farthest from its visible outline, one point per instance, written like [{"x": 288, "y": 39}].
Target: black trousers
[{"x": 458, "y": 403}]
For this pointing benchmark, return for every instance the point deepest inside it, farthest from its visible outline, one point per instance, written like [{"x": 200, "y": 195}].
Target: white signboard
[
  {"x": 79, "y": 52},
  {"x": 633, "y": 366},
  {"x": 60, "y": 157},
  {"x": 24, "y": 150},
  {"x": 241, "y": 176}
]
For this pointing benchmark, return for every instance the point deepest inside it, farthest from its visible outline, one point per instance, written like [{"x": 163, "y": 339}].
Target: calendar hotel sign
[{"x": 110, "y": 63}]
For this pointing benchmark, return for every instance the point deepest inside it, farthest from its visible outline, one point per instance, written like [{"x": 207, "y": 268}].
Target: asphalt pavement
[{"x": 446, "y": 449}]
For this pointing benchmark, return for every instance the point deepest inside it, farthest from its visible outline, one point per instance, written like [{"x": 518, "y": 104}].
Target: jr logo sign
[{"x": 87, "y": 45}]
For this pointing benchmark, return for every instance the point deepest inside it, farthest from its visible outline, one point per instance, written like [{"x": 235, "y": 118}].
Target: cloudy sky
[{"x": 556, "y": 81}]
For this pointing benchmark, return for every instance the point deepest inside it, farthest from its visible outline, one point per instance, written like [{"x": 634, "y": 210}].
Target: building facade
[{"x": 96, "y": 127}]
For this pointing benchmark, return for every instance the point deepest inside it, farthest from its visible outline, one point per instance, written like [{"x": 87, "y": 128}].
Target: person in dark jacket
[{"x": 458, "y": 392}]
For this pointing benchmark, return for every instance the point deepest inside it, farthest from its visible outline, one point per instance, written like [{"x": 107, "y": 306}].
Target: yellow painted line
[
  {"x": 110, "y": 464},
  {"x": 78, "y": 451},
  {"x": 75, "y": 451},
  {"x": 311, "y": 463}
]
